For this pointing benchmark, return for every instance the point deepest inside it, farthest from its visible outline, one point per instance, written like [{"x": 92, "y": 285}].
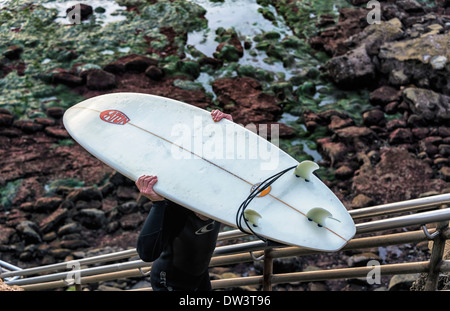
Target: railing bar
[
  {"x": 63, "y": 265},
  {"x": 409, "y": 205},
  {"x": 82, "y": 272},
  {"x": 385, "y": 224}
]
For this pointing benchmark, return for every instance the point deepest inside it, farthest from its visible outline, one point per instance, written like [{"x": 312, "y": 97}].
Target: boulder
[
  {"x": 398, "y": 176},
  {"x": 423, "y": 61},
  {"x": 91, "y": 218},
  {"x": 431, "y": 106},
  {"x": 98, "y": 79},
  {"x": 352, "y": 70}
]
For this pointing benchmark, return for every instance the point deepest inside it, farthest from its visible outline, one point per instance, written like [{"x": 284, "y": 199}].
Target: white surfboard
[{"x": 210, "y": 167}]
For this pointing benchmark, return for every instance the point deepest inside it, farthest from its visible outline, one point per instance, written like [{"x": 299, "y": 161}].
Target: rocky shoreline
[{"x": 60, "y": 203}]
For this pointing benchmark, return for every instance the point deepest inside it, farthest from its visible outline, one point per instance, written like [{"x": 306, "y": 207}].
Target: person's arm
[
  {"x": 218, "y": 115},
  {"x": 151, "y": 238}
]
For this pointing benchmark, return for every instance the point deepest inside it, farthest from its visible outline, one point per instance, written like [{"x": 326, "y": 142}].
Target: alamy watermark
[
  {"x": 374, "y": 16},
  {"x": 74, "y": 276},
  {"x": 374, "y": 275},
  {"x": 203, "y": 140},
  {"x": 74, "y": 15}
]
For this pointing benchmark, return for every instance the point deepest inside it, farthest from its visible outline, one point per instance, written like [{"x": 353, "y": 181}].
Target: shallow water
[{"x": 111, "y": 10}]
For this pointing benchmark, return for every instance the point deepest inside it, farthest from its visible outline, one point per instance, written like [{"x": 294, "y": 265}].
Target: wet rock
[
  {"x": 13, "y": 52},
  {"x": 55, "y": 112},
  {"x": 137, "y": 63},
  {"x": 227, "y": 52},
  {"x": 384, "y": 95},
  {"x": 445, "y": 173},
  {"x": 400, "y": 136},
  {"x": 85, "y": 194},
  {"x": 333, "y": 40},
  {"x": 413, "y": 57},
  {"x": 29, "y": 232},
  {"x": 374, "y": 117},
  {"x": 154, "y": 73},
  {"x": 80, "y": 11},
  {"x": 57, "y": 132},
  {"x": 438, "y": 62},
  {"x": 6, "y": 119},
  {"x": 47, "y": 204},
  {"x": 344, "y": 172},
  {"x": 433, "y": 107},
  {"x": 67, "y": 79},
  {"x": 402, "y": 282},
  {"x": 73, "y": 244},
  {"x": 69, "y": 228},
  {"x": 97, "y": 79},
  {"x": 335, "y": 151},
  {"x": 354, "y": 134},
  {"x": 338, "y": 122},
  {"x": 362, "y": 200},
  {"x": 373, "y": 36},
  {"x": 91, "y": 218},
  {"x": 5, "y": 234},
  {"x": 28, "y": 126},
  {"x": 131, "y": 221},
  {"x": 361, "y": 260},
  {"x": 352, "y": 70},
  {"x": 53, "y": 220}
]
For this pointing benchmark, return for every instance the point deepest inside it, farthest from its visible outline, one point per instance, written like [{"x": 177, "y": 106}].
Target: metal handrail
[{"x": 242, "y": 249}]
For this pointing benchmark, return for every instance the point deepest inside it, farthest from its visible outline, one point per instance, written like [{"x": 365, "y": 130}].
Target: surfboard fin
[
  {"x": 305, "y": 169},
  {"x": 319, "y": 215},
  {"x": 252, "y": 217}
]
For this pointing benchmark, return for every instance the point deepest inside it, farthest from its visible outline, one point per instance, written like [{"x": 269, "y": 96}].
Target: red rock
[
  {"x": 338, "y": 123},
  {"x": 67, "y": 79},
  {"x": 374, "y": 117},
  {"x": 55, "y": 112},
  {"x": 97, "y": 79},
  {"x": 6, "y": 119},
  {"x": 50, "y": 222},
  {"x": 352, "y": 133},
  {"x": 385, "y": 95},
  {"x": 28, "y": 126},
  {"x": 335, "y": 151},
  {"x": 244, "y": 100},
  {"x": 400, "y": 136},
  {"x": 398, "y": 176},
  {"x": 57, "y": 132}
]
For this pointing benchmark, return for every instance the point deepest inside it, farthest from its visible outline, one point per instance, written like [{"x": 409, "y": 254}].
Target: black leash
[{"x": 240, "y": 218}]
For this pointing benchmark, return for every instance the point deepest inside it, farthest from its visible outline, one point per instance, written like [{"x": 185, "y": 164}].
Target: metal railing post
[
  {"x": 437, "y": 253},
  {"x": 268, "y": 270}
]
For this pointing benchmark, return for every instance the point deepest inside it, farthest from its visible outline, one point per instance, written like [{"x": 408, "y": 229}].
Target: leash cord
[{"x": 240, "y": 218}]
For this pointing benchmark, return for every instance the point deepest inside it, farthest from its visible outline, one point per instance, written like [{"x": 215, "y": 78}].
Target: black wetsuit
[{"x": 180, "y": 244}]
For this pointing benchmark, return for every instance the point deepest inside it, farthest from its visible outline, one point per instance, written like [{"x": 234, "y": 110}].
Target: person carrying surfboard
[{"x": 179, "y": 242}]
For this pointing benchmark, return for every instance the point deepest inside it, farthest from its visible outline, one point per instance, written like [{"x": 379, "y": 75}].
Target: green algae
[
  {"x": 280, "y": 59},
  {"x": 8, "y": 192},
  {"x": 47, "y": 45}
]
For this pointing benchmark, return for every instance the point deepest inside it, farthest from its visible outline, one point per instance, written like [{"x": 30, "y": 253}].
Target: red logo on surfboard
[{"x": 114, "y": 117}]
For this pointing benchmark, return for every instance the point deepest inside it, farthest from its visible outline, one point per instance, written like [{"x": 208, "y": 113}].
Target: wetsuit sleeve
[{"x": 150, "y": 242}]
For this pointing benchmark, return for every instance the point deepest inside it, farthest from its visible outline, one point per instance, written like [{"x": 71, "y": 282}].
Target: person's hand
[
  {"x": 218, "y": 115},
  {"x": 145, "y": 185}
]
